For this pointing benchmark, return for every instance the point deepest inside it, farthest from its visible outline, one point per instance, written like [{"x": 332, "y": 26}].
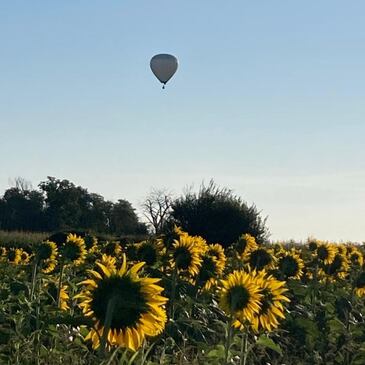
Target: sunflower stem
[
  {"x": 173, "y": 293},
  {"x": 244, "y": 352},
  {"x": 34, "y": 278},
  {"x": 60, "y": 284},
  {"x": 108, "y": 321},
  {"x": 228, "y": 341}
]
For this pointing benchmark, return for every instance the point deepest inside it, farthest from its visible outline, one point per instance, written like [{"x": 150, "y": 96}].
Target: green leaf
[{"x": 269, "y": 343}]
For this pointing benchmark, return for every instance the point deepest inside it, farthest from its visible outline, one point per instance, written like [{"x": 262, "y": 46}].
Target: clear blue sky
[{"x": 269, "y": 100}]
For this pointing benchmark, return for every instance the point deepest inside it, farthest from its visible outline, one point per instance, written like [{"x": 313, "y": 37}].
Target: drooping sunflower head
[
  {"x": 149, "y": 251},
  {"x": 186, "y": 256},
  {"x": 290, "y": 265},
  {"x": 74, "y": 251},
  {"x": 240, "y": 296},
  {"x": 260, "y": 259},
  {"x": 46, "y": 250},
  {"x": 359, "y": 286},
  {"x": 13, "y": 256},
  {"x": 245, "y": 244},
  {"x": 326, "y": 252},
  {"x": 133, "y": 305},
  {"x": 200, "y": 243},
  {"x": 272, "y": 309}
]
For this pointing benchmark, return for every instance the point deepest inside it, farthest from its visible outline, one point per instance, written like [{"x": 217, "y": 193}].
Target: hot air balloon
[{"x": 164, "y": 67}]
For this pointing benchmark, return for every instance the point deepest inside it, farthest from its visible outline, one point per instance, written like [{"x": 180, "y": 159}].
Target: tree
[
  {"x": 124, "y": 220},
  {"x": 157, "y": 208},
  {"x": 22, "y": 209},
  {"x": 218, "y": 215}
]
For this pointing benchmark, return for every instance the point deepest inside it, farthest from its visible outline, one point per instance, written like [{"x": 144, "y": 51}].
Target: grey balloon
[{"x": 164, "y": 66}]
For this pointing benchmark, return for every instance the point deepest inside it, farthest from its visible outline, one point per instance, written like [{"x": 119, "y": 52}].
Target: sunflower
[
  {"x": 240, "y": 296},
  {"x": 48, "y": 266},
  {"x": 356, "y": 257},
  {"x": 272, "y": 308},
  {"x": 73, "y": 250},
  {"x": 217, "y": 252},
  {"x": 112, "y": 248},
  {"x": 326, "y": 252},
  {"x": 132, "y": 306},
  {"x": 46, "y": 250},
  {"x": 208, "y": 272},
  {"x": 312, "y": 244},
  {"x": 91, "y": 243},
  {"x": 200, "y": 243},
  {"x": 24, "y": 257},
  {"x": 245, "y": 244},
  {"x": 52, "y": 292},
  {"x": 338, "y": 269},
  {"x": 149, "y": 251},
  {"x": 186, "y": 256},
  {"x": 360, "y": 285},
  {"x": 260, "y": 259},
  {"x": 290, "y": 265},
  {"x": 108, "y": 261},
  {"x": 14, "y": 256}
]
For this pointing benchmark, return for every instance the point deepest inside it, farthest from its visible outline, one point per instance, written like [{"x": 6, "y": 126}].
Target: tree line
[{"x": 214, "y": 213}]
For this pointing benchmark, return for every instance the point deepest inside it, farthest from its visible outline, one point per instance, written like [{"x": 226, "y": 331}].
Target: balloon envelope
[{"x": 164, "y": 66}]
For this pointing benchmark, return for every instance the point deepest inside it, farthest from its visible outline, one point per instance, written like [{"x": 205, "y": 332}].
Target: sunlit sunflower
[
  {"x": 91, "y": 243},
  {"x": 240, "y": 296},
  {"x": 48, "y": 266},
  {"x": 326, "y": 252},
  {"x": 13, "y": 256},
  {"x": 290, "y": 265},
  {"x": 74, "y": 251},
  {"x": 272, "y": 309},
  {"x": 260, "y": 259},
  {"x": 133, "y": 305},
  {"x": 46, "y": 250},
  {"x": 52, "y": 292},
  {"x": 245, "y": 244},
  {"x": 149, "y": 251},
  {"x": 186, "y": 256},
  {"x": 338, "y": 269}
]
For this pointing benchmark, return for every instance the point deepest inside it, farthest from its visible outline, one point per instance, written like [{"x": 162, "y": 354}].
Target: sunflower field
[{"x": 177, "y": 299}]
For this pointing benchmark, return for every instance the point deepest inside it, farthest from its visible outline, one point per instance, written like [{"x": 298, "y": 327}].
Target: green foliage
[{"x": 218, "y": 216}]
